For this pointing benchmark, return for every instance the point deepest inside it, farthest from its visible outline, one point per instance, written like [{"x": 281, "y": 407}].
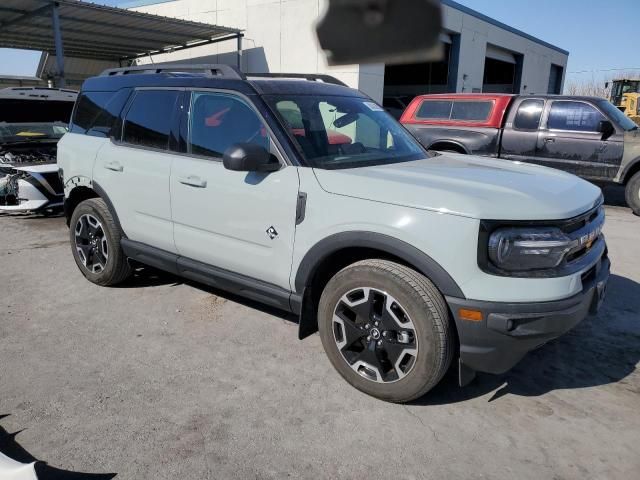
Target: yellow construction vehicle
[
  {"x": 630, "y": 105},
  {"x": 625, "y": 94}
]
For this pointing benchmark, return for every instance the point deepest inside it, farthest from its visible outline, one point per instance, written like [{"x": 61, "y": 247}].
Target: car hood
[{"x": 469, "y": 186}]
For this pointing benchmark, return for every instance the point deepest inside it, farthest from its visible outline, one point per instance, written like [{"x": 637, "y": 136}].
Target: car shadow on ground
[
  {"x": 273, "y": 311},
  {"x": 145, "y": 276},
  {"x": 603, "y": 349},
  {"x": 12, "y": 449}
]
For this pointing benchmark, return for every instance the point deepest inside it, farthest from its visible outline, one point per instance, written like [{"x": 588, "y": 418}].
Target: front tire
[
  {"x": 95, "y": 244},
  {"x": 632, "y": 193},
  {"x": 386, "y": 330}
]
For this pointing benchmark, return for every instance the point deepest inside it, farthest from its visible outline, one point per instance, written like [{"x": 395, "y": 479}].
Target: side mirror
[
  {"x": 247, "y": 157},
  {"x": 606, "y": 128},
  {"x": 606, "y": 84}
]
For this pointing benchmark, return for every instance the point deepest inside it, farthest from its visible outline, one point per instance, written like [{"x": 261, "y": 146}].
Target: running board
[{"x": 215, "y": 277}]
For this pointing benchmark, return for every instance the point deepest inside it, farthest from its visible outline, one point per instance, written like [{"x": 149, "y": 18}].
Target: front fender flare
[{"x": 378, "y": 241}]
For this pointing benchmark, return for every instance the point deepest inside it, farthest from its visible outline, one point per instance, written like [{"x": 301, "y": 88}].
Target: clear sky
[{"x": 599, "y": 34}]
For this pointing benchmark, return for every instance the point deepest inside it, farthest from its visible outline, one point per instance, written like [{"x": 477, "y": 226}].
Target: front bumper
[{"x": 508, "y": 331}]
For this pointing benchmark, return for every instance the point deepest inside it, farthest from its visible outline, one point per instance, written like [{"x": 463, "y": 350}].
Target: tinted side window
[
  {"x": 574, "y": 116},
  {"x": 148, "y": 121},
  {"x": 435, "y": 109},
  {"x": 88, "y": 108},
  {"x": 528, "y": 115},
  {"x": 218, "y": 121},
  {"x": 469, "y": 110},
  {"x": 108, "y": 122}
]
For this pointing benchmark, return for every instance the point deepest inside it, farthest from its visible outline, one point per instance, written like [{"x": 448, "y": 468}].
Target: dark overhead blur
[{"x": 389, "y": 31}]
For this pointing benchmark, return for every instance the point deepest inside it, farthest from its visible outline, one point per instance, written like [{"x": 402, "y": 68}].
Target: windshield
[
  {"x": 333, "y": 132},
  {"x": 26, "y": 132},
  {"x": 617, "y": 116}
]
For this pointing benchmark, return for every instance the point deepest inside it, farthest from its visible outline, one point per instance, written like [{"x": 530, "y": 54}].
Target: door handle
[
  {"x": 193, "y": 181},
  {"x": 549, "y": 140},
  {"x": 115, "y": 166}
]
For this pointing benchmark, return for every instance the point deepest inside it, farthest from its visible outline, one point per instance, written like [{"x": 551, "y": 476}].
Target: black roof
[{"x": 217, "y": 76}]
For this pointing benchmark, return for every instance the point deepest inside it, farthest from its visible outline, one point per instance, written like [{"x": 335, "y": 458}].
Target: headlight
[{"x": 522, "y": 249}]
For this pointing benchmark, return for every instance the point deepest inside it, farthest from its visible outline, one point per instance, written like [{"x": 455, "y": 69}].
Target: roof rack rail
[
  {"x": 213, "y": 70},
  {"x": 312, "y": 77}
]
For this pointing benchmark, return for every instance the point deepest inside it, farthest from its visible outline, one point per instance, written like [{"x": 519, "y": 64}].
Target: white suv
[{"x": 306, "y": 195}]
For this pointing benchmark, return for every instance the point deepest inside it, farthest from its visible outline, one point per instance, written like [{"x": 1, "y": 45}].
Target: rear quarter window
[
  {"x": 97, "y": 113},
  {"x": 528, "y": 114},
  {"x": 88, "y": 107}
]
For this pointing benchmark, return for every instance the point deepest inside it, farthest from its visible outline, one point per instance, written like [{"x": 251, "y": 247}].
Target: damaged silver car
[{"x": 32, "y": 120}]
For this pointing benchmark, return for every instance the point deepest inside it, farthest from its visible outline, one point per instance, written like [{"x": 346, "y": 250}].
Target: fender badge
[{"x": 272, "y": 232}]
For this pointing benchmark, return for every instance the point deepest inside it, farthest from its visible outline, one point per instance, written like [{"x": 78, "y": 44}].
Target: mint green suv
[{"x": 301, "y": 193}]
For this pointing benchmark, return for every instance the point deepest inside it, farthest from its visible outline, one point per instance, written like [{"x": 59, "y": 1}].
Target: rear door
[
  {"x": 243, "y": 222},
  {"x": 520, "y": 135},
  {"x": 134, "y": 169},
  {"x": 570, "y": 139}
]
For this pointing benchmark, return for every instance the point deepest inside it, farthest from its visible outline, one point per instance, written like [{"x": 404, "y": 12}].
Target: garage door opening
[
  {"x": 555, "y": 79},
  {"x": 404, "y": 82},
  {"x": 501, "y": 71}
]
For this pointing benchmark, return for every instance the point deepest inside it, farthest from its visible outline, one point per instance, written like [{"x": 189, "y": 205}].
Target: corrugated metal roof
[{"x": 99, "y": 32}]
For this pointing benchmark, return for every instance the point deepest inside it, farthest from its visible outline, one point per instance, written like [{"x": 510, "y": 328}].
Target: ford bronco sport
[{"x": 306, "y": 195}]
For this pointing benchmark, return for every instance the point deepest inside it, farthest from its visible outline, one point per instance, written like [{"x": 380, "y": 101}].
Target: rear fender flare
[{"x": 451, "y": 142}]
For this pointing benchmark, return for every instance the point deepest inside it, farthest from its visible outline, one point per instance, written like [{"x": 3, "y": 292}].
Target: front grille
[
  {"x": 582, "y": 220},
  {"x": 585, "y": 232}
]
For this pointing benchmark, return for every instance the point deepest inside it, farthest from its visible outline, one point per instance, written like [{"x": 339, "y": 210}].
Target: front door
[
  {"x": 243, "y": 222},
  {"x": 571, "y": 140}
]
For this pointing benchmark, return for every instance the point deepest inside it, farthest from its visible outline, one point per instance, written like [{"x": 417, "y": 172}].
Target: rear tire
[
  {"x": 632, "y": 193},
  {"x": 95, "y": 244},
  {"x": 386, "y": 330}
]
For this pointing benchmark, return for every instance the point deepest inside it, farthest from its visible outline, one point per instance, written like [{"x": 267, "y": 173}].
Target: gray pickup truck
[{"x": 586, "y": 136}]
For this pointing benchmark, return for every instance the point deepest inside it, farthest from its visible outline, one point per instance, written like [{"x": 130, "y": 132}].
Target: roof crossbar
[{"x": 214, "y": 70}]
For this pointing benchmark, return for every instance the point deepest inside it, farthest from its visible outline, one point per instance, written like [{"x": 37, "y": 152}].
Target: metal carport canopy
[{"x": 87, "y": 30}]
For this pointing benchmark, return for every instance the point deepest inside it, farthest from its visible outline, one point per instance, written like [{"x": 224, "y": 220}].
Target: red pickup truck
[{"x": 587, "y": 136}]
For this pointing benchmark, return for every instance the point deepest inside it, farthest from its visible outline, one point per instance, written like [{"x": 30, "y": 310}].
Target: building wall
[
  {"x": 475, "y": 34},
  {"x": 280, "y": 37}
]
